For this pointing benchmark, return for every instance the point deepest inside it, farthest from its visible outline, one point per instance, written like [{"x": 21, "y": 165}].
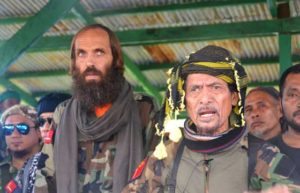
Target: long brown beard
[{"x": 97, "y": 93}]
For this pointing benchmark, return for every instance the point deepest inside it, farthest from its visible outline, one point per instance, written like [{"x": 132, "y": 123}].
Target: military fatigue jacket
[{"x": 95, "y": 166}]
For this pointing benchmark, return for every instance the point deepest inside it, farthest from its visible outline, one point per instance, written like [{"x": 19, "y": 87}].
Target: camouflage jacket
[
  {"x": 95, "y": 166},
  {"x": 265, "y": 164},
  {"x": 192, "y": 172},
  {"x": 7, "y": 173}
]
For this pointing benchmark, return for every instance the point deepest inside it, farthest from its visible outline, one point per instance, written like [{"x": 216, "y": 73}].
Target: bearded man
[
  {"x": 99, "y": 136},
  {"x": 289, "y": 141}
]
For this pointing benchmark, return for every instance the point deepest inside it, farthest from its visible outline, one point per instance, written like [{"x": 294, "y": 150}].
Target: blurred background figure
[
  {"x": 148, "y": 109},
  {"x": 22, "y": 135},
  {"x": 7, "y": 99},
  {"x": 263, "y": 112},
  {"x": 45, "y": 108}
]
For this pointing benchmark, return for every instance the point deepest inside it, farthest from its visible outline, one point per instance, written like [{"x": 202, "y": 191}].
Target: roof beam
[
  {"x": 135, "y": 72},
  {"x": 32, "y": 31},
  {"x": 174, "y": 7},
  {"x": 183, "y": 34},
  {"x": 24, "y": 95},
  {"x": 82, "y": 14},
  {"x": 35, "y": 27},
  {"x": 285, "y": 52},
  {"x": 244, "y": 61},
  {"x": 163, "y": 66},
  {"x": 148, "y": 9}
]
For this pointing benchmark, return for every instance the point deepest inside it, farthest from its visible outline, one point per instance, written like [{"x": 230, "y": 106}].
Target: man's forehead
[
  {"x": 258, "y": 95},
  {"x": 205, "y": 78},
  {"x": 91, "y": 36},
  {"x": 293, "y": 79}
]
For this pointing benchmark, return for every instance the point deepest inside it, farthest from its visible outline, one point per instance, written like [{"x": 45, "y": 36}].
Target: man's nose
[
  {"x": 204, "y": 96},
  {"x": 15, "y": 133},
  {"x": 255, "y": 113},
  {"x": 90, "y": 61}
]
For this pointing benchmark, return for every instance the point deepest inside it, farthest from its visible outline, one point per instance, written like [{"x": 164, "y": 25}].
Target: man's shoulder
[
  {"x": 59, "y": 110},
  {"x": 6, "y": 161}
]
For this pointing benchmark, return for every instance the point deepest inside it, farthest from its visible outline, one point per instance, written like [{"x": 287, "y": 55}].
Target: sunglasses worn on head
[
  {"x": 22, "y": 128},
  {"x": 42, "y": 121}
]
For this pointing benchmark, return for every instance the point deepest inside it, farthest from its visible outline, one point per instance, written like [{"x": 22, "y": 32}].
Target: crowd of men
[{"x": 101, "y": 139}]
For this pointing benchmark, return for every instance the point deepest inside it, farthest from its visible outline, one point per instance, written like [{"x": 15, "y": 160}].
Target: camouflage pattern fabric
[
  {"x": 273, "y": 168},
  {"x": 3, "y": 146},
  {"x": 149, "y": 176},
  {"x": 7, "y": 173},
  {"x": 96, "y": 166}
]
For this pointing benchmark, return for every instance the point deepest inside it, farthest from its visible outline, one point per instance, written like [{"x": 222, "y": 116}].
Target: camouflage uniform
[
  {"x": 7, "y": 173},
  {"x": 95, "y": 166},
  {"x": 271, "y": 167},
  {"x": 192, "y": 171}
]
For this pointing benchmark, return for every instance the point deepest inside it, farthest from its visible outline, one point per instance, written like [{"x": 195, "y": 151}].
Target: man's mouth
[
  {"x": 16, "y": 143},
  {"x": 256, "y": 124},
  {"x": 297, "y": 113},
  {"x": 207, "y": 113}
]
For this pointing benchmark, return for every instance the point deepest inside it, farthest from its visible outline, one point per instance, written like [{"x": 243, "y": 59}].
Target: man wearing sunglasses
[
  {"x": 22, "y": 135},
  {"x": 45, "y": 109},
  {"x": 8, "y": 99}
]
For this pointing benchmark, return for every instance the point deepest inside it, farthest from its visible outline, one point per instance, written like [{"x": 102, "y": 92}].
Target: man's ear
[{"x": 234, "y": 98}]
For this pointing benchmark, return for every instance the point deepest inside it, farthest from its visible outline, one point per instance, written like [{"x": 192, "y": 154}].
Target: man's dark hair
[
  {"x": 114, "y": 45},
  {"x": 291, "y": 70}
]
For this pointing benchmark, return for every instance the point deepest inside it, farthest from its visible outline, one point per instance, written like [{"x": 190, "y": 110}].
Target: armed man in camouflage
[
  {"x": 212, "y": 156},
  {"x": 20, "y": 127}
]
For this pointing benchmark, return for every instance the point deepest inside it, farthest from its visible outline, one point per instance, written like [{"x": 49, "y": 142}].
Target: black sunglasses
[
  {"x": 22, "y": 128},
  {"x": 42, "y": 121}
]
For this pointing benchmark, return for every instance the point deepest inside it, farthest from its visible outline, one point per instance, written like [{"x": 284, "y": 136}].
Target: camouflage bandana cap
[
  {"x": 23, "y": 110},
  {"x": 212, "y": 60}
]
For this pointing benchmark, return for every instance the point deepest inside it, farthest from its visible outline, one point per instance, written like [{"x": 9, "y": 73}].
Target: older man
[
  {"x": 212, "y": 157},
  {"x": 263, "y": 112},
  {"x": 98, "y": 142}
]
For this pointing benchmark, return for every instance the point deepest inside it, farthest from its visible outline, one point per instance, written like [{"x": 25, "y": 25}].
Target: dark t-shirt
[{"x": 292, "y": 153}]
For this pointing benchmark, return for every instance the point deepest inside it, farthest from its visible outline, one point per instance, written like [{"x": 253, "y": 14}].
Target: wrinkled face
[
  {"x": 209, "y": 103},
  {"x": 93, "y": 56},
  {"x": 291, "y": 101},
  {"x": 17, "y": 142},
  {"x": 262, "y": 115},
  {"x": 47, "y": 126}
]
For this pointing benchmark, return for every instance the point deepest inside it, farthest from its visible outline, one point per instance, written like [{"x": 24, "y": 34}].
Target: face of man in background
[
  {"x": 262, "y": 115},
  {"x": 20, "y": 144},
  {"x": 96, "y": 82},
  {"x": 291, "y": 101},
  {"x": 209, "y": 103},
  {"x": 8, "y": 103},
  {"x": 47, "y": 124}
]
